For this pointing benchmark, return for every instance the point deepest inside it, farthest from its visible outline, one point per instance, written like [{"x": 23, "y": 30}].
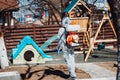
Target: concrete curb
[
  {"x": 13, "y": 75},
  {"x": 110, "y": 78}
]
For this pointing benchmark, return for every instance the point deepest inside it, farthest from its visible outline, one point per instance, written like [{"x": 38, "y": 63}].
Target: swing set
[{"x": 85, "y": 25}]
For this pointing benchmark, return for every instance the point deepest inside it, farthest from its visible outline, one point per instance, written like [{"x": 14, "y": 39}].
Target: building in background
[
  {"x": 25, "y": 14},
  {"x": 6, "y": 9}
]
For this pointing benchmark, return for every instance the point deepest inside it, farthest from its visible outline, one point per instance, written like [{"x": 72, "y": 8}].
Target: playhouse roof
[
  {"x": 73, "y": 4},
  {"x": 7, "y": 5},
  {"x": 70, "y": 6}
]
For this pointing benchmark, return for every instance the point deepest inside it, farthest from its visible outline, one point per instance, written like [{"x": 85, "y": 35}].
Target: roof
[
  {"x": 70, "y": 6},
  {"x": 73, "y": 4},
  {"x": 7, "y": 5}
]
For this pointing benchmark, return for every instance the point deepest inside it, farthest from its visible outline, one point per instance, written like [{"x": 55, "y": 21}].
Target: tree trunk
[{"x": 115, "y": 11}]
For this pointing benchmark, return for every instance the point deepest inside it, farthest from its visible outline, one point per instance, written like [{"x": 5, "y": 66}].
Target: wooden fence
[{"x": 40, "y": 34}]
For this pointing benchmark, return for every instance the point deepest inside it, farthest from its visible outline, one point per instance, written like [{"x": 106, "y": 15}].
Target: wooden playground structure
[{"x": 85, "y": 25}]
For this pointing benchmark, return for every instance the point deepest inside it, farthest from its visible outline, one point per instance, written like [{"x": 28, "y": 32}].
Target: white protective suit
[{"x": 68, "y": 53}]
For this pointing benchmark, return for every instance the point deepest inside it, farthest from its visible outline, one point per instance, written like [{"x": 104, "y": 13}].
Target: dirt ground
[{"x": 52, "y": 72}]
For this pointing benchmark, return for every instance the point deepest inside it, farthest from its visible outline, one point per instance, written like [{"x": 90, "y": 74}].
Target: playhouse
[
  {"x": 28, "y": 52},
  {"x": 75, "y": 10}
]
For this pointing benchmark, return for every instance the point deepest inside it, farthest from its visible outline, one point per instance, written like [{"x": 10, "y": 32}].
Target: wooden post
[
  {"x": 105, "y": 17},
  {"x": 3, "y": 53}
]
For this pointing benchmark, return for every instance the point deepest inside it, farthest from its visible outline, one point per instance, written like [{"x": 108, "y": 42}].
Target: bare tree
[{"x": 115, "y": 10}]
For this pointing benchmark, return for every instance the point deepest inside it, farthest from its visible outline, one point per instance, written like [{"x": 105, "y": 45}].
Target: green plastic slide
[{"x": 48, "y": 42}]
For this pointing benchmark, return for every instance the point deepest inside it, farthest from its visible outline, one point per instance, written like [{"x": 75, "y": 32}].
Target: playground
[
  {"x": 30, "y": 51},
  {"x": 101, "y": 64}
]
